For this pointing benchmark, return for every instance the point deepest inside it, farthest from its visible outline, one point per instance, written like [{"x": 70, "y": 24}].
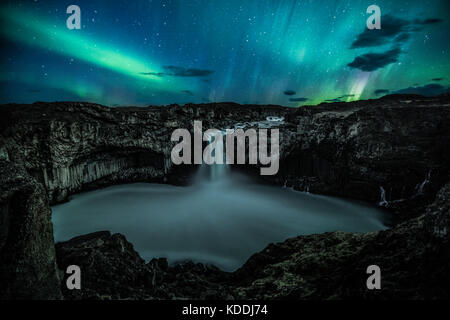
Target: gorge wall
[{"x": 397, "y": 146}]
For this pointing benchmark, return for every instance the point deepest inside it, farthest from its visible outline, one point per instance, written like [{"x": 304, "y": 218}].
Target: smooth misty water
[{"x": 221, "y": 219}]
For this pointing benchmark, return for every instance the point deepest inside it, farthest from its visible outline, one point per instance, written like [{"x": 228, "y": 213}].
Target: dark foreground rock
[
  {"x": 27, "y": 252},
  {"x": 393, "y": 152},
  {"x": 414, "y": 259},
  {"x": 112, "y": 269}
]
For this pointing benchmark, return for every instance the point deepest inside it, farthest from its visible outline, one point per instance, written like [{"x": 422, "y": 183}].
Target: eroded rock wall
[{"x": 27, "y": 253}]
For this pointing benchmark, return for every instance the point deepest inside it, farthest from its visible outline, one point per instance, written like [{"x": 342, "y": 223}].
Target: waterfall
[
  {"x": 420, "y": 187},
  {"x": 217, "y": 171},
  {"x": 383, "y": 202}
]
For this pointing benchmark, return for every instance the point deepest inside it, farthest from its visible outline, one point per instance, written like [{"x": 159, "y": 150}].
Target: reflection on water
[{"x": 221, "y": 221}]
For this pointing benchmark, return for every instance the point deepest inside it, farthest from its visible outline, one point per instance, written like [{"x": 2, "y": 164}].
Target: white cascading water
[
  {"x": 216, "y": 173},
  {"x": 383, "y": 202}
]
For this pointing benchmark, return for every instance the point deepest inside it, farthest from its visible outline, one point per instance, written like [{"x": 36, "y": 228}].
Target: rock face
[
  {"x": 413, "y": 257},
  {"x": 27, "y": 252},
  {"x": 111, "y": 269},
  {"x": 70, "y": 147},
  {"x": 394, "y": 151},
  {"x": 397, "y": 146}
]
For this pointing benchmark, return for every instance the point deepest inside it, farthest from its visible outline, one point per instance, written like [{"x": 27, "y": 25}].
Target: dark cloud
[
  {"x": 379, "y": 92},
  {"x": 180, "y": 72},
  {"x": 189, "y": 92},
  {"x": 437, "y": 79},
  {"x": 403, "y": 37},
  {"x": 374, "y": 61},
  {"x": 289, "y": 92},
  {"x": 430, "y": 21},
  {"x": 298, "y": 99},
  {"x": 339, "y": 99},
  {"x": 346, "y": 96},
  {"x": 431, "y": 89},
  {"x": 183, "y": 72},
  {"x": 392, "y": 28},
  {"x": 333, "y": 100},
  {"x": 157, "y": 74}
]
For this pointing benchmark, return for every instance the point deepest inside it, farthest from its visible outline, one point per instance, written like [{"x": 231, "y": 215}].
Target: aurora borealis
[{"x": 286, "y": 52}]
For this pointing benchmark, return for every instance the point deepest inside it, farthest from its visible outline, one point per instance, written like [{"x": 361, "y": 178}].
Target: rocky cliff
[
  {"x": 27, "y": 251},
  {"x": 70, "y": 147},
  {"x": 392, "y": 152}
]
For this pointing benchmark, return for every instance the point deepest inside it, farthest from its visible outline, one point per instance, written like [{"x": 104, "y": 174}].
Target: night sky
[{"x": 286, "y": 52}]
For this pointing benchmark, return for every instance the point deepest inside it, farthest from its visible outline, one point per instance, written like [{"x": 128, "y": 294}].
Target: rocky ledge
[{"x": 393, "y": 152}]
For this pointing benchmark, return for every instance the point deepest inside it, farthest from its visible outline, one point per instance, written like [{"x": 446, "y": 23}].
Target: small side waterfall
[
  {"x": 383, "y": 202},
  {"x": 419, "y": 190},
  {"x": 420, "y": 187}
]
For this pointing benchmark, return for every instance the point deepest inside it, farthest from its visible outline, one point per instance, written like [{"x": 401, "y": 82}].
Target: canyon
[
  {"x": 235, "y": 139},
  {"x": 393, "y": 151}
]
